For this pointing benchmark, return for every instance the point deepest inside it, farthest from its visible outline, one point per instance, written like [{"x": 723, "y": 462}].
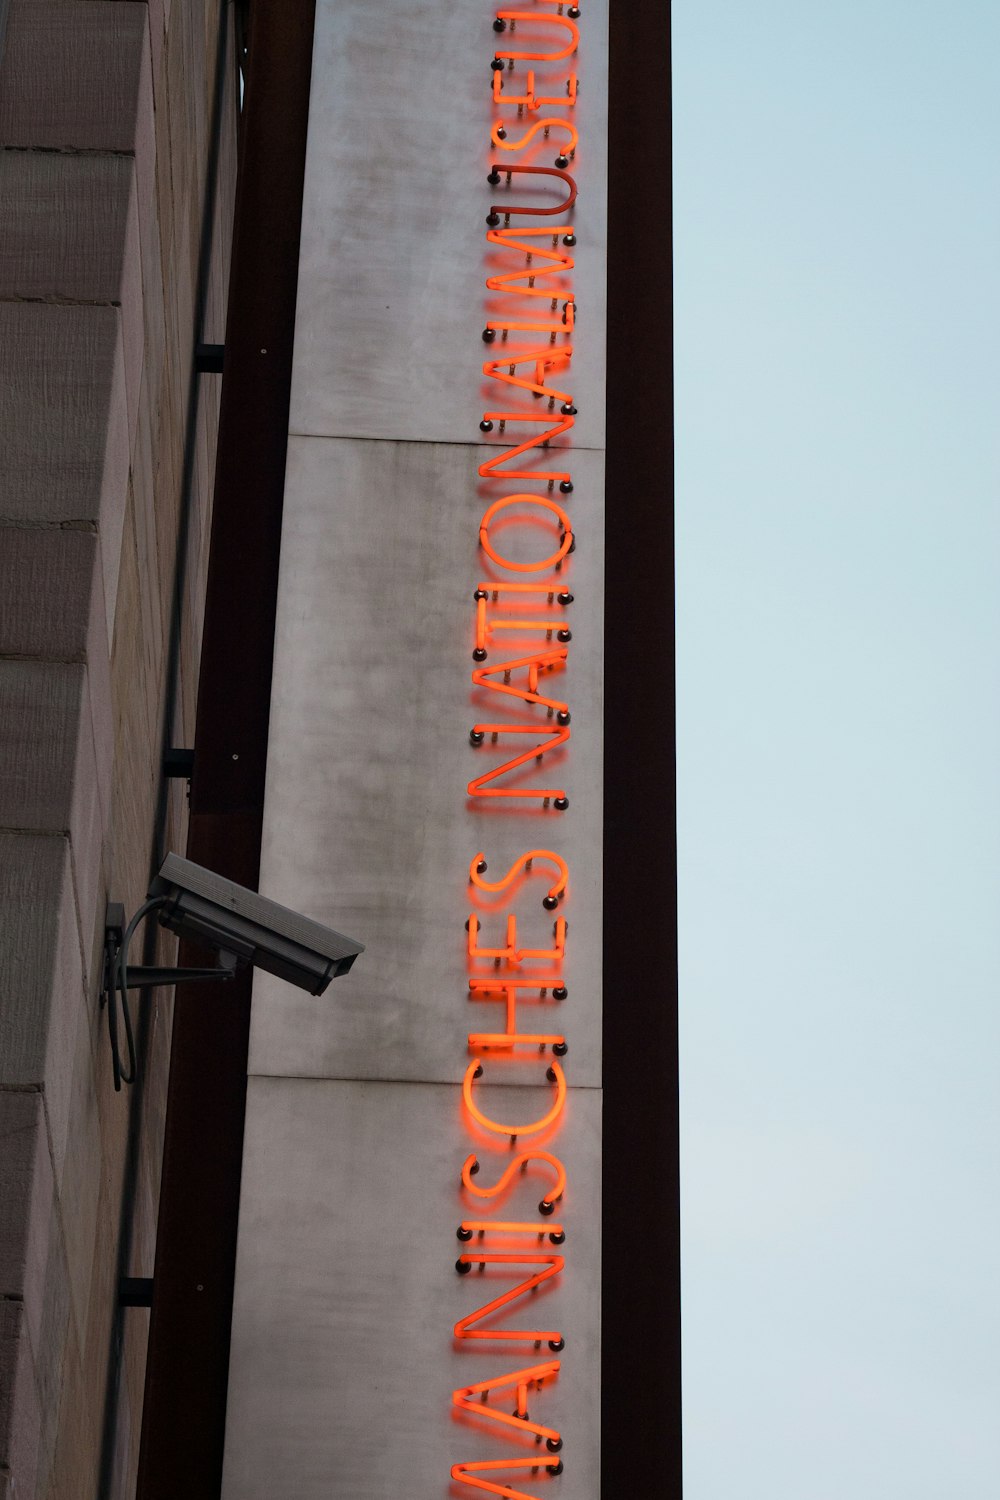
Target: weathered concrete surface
[{"x": 104, "y": 121}]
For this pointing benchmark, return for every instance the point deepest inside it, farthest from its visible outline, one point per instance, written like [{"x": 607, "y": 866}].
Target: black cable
[{"x": 118, "y": 987}]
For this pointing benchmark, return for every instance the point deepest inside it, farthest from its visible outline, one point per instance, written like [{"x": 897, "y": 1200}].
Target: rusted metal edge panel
[
  {"x": 641, "y": 1395},
  {"x": 187, "y": 1364}
]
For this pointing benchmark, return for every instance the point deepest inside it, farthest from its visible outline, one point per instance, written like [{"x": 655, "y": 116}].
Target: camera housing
[{"x": 209, "y": 909}]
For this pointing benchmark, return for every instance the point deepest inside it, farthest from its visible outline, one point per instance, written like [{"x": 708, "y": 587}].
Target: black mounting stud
[
  {"x": 479, "y": 1071},
  {"x": 473, "y": 1168},
  {"x": 486, "y": 426},
  {"x": 476, "y": 736},
  {"x": 564, "y": 636},
  {"x": 497, "y": 65},
  {"x": 556, "y": 1468},
  {"x": 574, "y": 13},
  {"x": 501, "y": 133},
  {"x": 478, "y": 655},
  {"x": 558, "y": 1237},
  {"x": 494, "y": 178},
  {"x": 560, "y": 1048},
  {"x": 568, "y": 409},
  {"x": 462, "y": 1267},
  {"x": 480, "y": 870},
  {"x": 499, "y": 24},
  {"x": 562, "y": 161},
  {"x": 550, "y": 902},
  {"x": 563, "y": 717},
  {"x": 546, "y": 1208},
  {"x": 481, "y": 594},
  {"x": 565, "y": 486},
  {"x": 559, "y": 993},
  {"x": 465, "y": 1234},
  {"x": 551, "y": 1074},
  {"x": 560, "y": 804},
  {"x": 569, "y": 239},
  {"x": 565, "y": 597},
  {"x": 553, "y": 1444},
  {"x": 489, "y": 334},
  {"x": 493, "y": 220},
  {"x": 557, "y": 1345}
]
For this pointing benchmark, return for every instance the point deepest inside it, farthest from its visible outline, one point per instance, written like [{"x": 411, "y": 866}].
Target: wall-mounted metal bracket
[
  {"x": 135, "y": 1291},
  {"x": 177, "y": 762},
  {"x": 208, "y": 358}
]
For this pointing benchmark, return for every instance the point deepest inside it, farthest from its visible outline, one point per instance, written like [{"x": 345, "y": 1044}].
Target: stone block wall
[{"x": 107, "y": 448}]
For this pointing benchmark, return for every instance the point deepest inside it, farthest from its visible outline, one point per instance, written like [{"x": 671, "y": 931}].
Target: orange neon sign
[
  {"x": 546, "y": 19},
  {"x": 550, "y": 1264},
  {"x": 535, "y": 209},
  {"x": 470, "y": 1227},
  {"x": 545, "y": 362},
  {"x": 554, "y": 1074},
  {"x": 520, "y": 1381},
  {"x": 489, "y": 469},
  {"x": 480, "y": 787},
  {"x": 517, "y": 1167},
  {"x": 498, "y": 136},
  {"x": 465, "y": 1474},
  {"x": 510, "y": 951},
  {"x": 554, "y": 558},
  {"x": 536, "y": 344},
  {"x": 522, "y": 865},
  {"x": 485, "y": 627},
  {"x": 516, "y": 239},
  {"x": 531, "y": 100},
  {"x": 547, "y": 662}
]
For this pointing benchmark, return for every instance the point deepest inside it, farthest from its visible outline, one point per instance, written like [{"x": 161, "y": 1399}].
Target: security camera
[
  {"x": 240, "y": 925},
  {"x": 207, "y": 908}
]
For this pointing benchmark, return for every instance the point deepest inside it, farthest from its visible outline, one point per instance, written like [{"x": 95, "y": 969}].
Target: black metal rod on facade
[
  {"x": 641, "y": 1366},
  {"x": 187, "y": 1366}
]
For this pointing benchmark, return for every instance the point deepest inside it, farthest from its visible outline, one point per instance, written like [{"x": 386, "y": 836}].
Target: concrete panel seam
[
  {"x": 73, "y": 658},
  {"x": 54, "y": 299},
  {"x": 25, "y": 523},
  {"x": 66, "y": 151},
  {"x": 417, "y": 442}
]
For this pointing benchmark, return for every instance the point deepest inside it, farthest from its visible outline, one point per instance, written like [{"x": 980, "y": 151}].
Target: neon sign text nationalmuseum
[{"x": 517, "y": 534}]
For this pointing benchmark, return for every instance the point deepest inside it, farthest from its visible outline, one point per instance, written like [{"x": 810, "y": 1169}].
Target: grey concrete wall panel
[
  {"x": 343, "y": 1359},
  {"x": 343, "y": 1362},
  {"x": 367, "y": 826},
  {"x": 392, "y": 300}
]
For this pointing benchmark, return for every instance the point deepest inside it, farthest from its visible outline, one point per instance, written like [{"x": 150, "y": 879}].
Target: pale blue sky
[{"x": 837, "y": 202}]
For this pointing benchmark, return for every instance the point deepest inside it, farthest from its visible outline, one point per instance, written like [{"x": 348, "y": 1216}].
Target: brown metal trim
[
  {"x": 640, "y": 1373},
  {"x": 188, "y": 1360}
]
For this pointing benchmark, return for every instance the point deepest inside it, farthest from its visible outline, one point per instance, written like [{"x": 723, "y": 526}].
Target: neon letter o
[{"x": 516, "y": 567}]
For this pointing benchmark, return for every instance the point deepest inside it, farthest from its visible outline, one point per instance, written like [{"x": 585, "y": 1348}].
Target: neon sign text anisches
[
  {"x": 518, "y": 1166},
  {"x": 553, "y": 1073},
  {"x": 526, "y": 541},
  {"x": 519, "y": 1381},
  {"x": 549, "y": 1266},
  {"x": 521, "y": 866}
]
